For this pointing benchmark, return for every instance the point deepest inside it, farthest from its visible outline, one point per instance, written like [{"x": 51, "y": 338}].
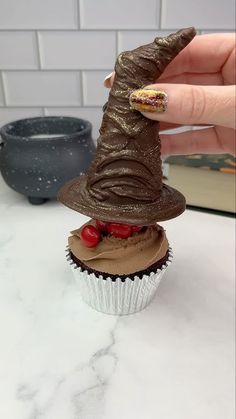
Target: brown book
[{"x": 207, "y": 181}]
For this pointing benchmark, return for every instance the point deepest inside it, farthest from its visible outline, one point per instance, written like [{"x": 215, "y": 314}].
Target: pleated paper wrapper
[{"x": 117, "y": 296}]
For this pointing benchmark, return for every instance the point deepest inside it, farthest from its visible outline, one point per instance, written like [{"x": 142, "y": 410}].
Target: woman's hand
[{"x": 198, "y": 88}]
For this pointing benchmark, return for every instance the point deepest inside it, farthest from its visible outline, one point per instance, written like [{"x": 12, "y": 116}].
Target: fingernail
[
  {"x": 106, "y": 81},
  {"x": 148, "y": 100}
]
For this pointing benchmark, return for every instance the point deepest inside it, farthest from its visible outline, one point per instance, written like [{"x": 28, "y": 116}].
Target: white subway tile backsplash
[
  {"x": 12, "y": 114},
  {"x": 210, "y": 14},
  {"x": 122, "y": 14},
  {"x": 77, "y": 50},
  {"x": 42, "y": 88},
  {"x": 35, "y": 14},
  {"x": 93, "y": 115},
  {"x": 95, "y": 94},
  {"x": 63, "y": 49},
  {"x": 128, "y": 40},
  {"x": 18, "y": 50}
]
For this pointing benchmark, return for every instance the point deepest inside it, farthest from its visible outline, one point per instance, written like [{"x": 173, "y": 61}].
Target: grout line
[
  {"x": 160, "y": 15},
  {"x": 51, "y": 106},
  {"x": 38, "y": 49},
  {"x": 148, "y": 29},
  {"x": 4, "y": 89},
  {"x": 39, "y": 29},
  {"x": 78, "y": 13},
  {"x": 81, "y": 80},
  {"x": 112, "y": 30},
  {"x": 10, "y": 107},
  {"x": 41, "y": 105},
  {"x": 49, "y": 70}
]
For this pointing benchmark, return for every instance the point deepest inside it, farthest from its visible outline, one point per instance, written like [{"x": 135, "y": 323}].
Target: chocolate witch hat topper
[{"x": 124, "y": 181}]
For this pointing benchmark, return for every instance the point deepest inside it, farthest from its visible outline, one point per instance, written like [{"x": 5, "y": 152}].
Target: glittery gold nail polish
[{"x": 148, "y": 100}]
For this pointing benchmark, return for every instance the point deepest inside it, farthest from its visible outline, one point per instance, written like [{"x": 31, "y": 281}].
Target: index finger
[{"x": 204, "y": 54}]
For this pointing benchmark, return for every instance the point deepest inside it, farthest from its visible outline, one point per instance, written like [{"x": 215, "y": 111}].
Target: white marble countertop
[{"x": 59, "y": 359}]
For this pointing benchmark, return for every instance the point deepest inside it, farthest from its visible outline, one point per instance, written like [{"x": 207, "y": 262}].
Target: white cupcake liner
[{"x": 116, "y": 296}]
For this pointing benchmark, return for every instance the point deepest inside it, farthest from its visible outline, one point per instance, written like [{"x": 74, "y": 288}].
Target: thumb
[{"x": 186, "y": 104}]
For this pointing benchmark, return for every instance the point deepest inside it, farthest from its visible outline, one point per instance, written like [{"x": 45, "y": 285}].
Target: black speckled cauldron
[{"x": 38, "y": 155}]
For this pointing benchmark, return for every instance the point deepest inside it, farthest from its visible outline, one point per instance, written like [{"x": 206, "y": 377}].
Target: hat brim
[{"x": 75, "y": 195}]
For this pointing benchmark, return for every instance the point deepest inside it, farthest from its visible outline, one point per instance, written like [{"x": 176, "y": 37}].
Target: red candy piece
[
  {"x": 122, "y": 231},
  {"x": 101, "y": 225},
  {"x": 136, "y": 229},
  {"x": 90, "y": 236}
]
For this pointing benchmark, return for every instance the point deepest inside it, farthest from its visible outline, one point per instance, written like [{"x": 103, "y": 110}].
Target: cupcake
[
  {"x": 118, "y": 267},
  {"x": 119, "y": 257}
]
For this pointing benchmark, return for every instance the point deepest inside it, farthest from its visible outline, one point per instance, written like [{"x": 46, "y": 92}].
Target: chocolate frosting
[
  {"x": 122, "y": 256},
  {"x": 124, "y": 182}
]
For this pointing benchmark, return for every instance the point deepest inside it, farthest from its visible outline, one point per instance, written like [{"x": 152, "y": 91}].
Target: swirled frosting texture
[{"x": 122, "y": 256}]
